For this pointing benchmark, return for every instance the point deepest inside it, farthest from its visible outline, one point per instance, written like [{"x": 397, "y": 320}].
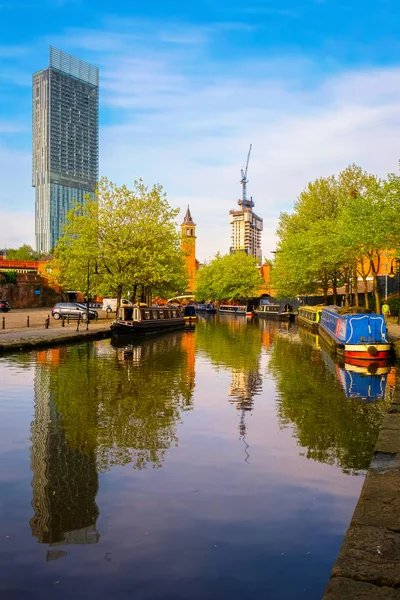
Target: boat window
[
  {"x": 128, "y": 313},
  {"x": 155, "y": 314},
  {"x": 136, "y": 314},
  {"x": 147, "y": 314},
  {"x": 161, "y": 314},
  {"x": 174, "y": 313}
]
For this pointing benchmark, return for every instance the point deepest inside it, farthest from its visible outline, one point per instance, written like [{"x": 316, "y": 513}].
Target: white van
[{"x": 110, "y": 304}]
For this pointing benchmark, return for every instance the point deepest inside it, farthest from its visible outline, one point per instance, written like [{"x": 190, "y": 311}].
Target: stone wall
[
  {"x": 368, "y": 565},
  {"x": 22, "y": 294}
]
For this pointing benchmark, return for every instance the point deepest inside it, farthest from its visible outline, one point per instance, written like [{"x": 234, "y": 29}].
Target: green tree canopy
[
  {"x": 229, "y": 277},
  {"x": 24, "y": 252},
  {"x": 337, "y": 233},
  {"x": 122, "y": 240}
]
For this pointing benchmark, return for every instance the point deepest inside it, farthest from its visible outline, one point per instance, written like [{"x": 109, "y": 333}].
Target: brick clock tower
[{"x": 188, "y": 245}]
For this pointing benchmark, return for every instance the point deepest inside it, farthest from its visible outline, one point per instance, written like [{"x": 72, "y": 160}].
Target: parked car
[
  {"x": 73, "y": 310},
  {"x": 110, "y": 304},
  {"x": 4, "y": 306}
]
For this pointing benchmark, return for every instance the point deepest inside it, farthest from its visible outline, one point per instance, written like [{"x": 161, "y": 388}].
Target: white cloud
[
  {"x": 17, "y": 227},
  {"x": 173, "y": 115}
]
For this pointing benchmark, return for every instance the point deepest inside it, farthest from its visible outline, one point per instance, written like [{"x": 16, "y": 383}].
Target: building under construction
[{"x": 246, "y": 225}]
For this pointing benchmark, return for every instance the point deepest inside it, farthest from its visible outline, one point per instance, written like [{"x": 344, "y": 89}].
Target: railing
[{"x": 18, "y": 264}]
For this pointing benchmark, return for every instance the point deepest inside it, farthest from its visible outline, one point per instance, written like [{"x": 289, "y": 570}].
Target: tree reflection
[
  {"x": 333, "y": 429},
  {"x": 124, "y": 405}
]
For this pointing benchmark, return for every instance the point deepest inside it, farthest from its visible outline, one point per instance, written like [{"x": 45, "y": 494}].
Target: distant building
[
  {"x": 188, "y": 245},
  {"x": 65, "y": 146},
  {"x": 246, "y": 232},
  {"x": 246, "y": 225}
]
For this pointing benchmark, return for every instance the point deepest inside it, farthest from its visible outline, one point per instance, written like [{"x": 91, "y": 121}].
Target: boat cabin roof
[{"x": 316, "y": 308}]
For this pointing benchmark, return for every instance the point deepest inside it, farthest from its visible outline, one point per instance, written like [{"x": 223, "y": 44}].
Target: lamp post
[
  {"x": 393, "y": 272},
  {"x": 87, "y": 295}
]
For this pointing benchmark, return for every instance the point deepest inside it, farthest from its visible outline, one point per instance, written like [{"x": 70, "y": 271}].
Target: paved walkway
[
  {"x": 18, "y": 337},
  {"x": 393, "y": 330}
]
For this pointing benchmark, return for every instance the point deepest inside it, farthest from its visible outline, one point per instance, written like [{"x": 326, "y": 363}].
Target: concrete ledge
[
  {"x": 347, "y": 589},
  {"x": 368, "y": 565},
  {"x": 53, "y": 339}
]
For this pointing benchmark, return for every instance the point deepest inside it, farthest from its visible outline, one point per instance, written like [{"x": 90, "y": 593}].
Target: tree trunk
[
  {"x": 334, "y": 289},
  {"x": 326, "y": 295},
  {"x": 376, "y": 294},
  {"x": 119, "y": 296},
  {"x": 346, "y": 294},
  {"x": 366, "y": 292},
  {"x": 355, "y": 288}
]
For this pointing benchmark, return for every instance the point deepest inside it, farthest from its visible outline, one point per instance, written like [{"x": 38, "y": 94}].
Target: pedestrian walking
[{"x": 386, "y": 310}]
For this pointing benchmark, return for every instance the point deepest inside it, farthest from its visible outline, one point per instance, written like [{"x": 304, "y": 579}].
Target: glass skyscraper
[{"x": 65, "y": 153}]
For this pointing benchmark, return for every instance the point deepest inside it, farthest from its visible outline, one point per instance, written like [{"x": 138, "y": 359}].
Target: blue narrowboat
[{"x": 361, "y": 336}]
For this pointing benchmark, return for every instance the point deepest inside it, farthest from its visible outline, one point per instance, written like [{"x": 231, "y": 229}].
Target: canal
[{"x": 219, "y": 462}]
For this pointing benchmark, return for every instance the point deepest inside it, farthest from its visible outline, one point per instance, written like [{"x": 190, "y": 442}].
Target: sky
[{"x": 186, "y": 86}]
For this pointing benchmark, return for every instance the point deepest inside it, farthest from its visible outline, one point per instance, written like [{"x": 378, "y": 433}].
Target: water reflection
[
  {"x": 104, "y": 416},
  {"x": 65, "y": 480},
  {"x": 332, "y": 428},
  {"x": 236, "y": 344},
  {"x": 365, "y": 382}
]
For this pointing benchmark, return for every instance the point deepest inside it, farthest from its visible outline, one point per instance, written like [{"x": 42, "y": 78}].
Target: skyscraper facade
[
  {"x": 65, "y": 152},
  {"x": 246, "y": 232}
]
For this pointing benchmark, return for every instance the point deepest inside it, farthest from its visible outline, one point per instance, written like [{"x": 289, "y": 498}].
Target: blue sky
[{"x": 186, "y": 87}]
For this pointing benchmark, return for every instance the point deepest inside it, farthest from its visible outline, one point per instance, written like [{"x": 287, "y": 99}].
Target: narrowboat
[
  {"x": 189, "y": 314},
  {"x": 360, "y": 336},
  {"x": 233, "y": 309},
  {"x": 275, "y": 311},
  {"x": 309, "y": 316},
  {"x": 138, "y": 320},
  {"x": 206, "y": 307}
]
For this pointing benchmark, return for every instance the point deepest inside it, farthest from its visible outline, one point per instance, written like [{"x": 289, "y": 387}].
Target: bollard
[
  {"x": 47, "y": 322},
  {"x": 4, "y": 323},
  {"x": 63, "y": 322},
  {"x": 87, "y": 323},
  {"x": 77, "y": 324},
  {"x": 27, "y": 321}
]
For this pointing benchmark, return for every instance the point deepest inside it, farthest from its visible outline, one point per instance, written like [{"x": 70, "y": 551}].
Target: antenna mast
[{"x": 244, "y": 203}]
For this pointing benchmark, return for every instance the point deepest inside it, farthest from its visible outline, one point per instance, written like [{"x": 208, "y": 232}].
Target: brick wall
[{"x": 22, "y": 294}]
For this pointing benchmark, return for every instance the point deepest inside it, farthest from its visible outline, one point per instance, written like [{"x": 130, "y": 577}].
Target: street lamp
[{"x": 393, "y": 272}]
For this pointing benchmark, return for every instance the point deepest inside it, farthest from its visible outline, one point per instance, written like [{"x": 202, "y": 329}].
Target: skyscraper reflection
[{"x": 65, "y": 479}]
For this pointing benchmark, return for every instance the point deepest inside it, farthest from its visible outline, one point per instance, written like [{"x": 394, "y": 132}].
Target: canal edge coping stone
[{"x": 368, "y": 565}]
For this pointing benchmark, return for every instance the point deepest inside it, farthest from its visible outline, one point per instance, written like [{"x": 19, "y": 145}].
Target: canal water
[{"x": 219, "y": 462}]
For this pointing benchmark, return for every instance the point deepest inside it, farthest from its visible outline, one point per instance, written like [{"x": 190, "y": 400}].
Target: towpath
[{"x": 17, "y": 336}]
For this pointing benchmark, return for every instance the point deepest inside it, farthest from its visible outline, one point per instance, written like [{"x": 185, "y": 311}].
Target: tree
[
  {"x": 368, "y": 222},
  {"x": 308, "y": 258},
  {"x": 122, "y": 240},
  {"x": 229, "y": 277},
  {"x": 24, "y": 252}
]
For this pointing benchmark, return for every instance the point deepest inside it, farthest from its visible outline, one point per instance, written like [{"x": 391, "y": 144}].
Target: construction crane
[{"x": 244, "y": 203}]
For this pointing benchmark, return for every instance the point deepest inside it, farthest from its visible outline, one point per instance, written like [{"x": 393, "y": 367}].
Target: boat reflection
[{"x": 359, "y": 380}]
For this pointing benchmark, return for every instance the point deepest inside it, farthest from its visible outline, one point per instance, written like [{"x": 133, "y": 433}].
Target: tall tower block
[
  {"x": 65, "y": 141},
  {"x": 188, "y": 245},
  {"x": 246, "y": 225}
]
